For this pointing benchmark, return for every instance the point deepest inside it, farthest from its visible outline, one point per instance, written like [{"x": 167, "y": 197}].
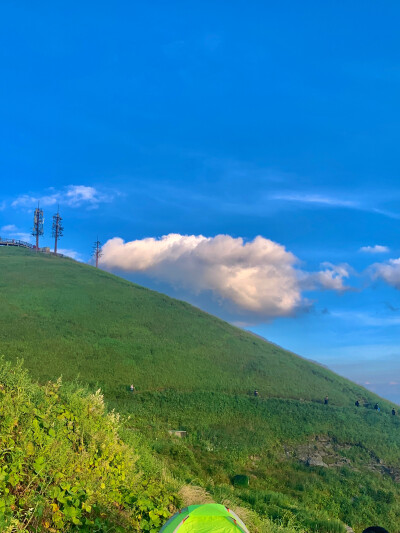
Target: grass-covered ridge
[
  {"x": 69, "y": 319},
  {"x": 195, "y": 372}
]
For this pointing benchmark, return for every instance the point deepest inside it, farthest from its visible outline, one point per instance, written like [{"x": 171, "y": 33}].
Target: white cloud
[
  {"x": 366, "y": 319},
  {"x": 312, "y": 199},
  {"x": 11, "y": 231},
  {"x": 9, "y": 228},
  {"x": 70, "y": 253},
  {"x": 76, "y": 195},
  {"x": 71, "y": 196},
  {"x": 388, "y": 271},
  {"x": 257, "y": 277},
  {"x": 386, "y": 213},
  {"x": 316, "y": 199},
  {"x": 23, "y": 236},
  {"x": 330, "y": 278},
  {"x": 25, "y": 200},
  {"x": 377, "y": 249}
]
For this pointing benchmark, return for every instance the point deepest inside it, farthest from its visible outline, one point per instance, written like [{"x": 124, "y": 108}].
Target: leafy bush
[{"x": 63, "y": 466}]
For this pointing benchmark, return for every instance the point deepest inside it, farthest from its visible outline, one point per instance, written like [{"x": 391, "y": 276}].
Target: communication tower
[
  {"x": 58, "y": 228},
  {"x": 97, "y": 253},
  {"x": 37, "y": 225}
]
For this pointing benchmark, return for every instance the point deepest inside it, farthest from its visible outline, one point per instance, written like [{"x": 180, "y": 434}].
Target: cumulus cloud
[
  {"x": 71, "y": 196},
  {"x": 76, "y": 195},
  {"x": 377, "y": 249},
  {"x": 259, "y": 277},
  {"x": 388, "y": 271},
  {"x": 331, "y": 277}
]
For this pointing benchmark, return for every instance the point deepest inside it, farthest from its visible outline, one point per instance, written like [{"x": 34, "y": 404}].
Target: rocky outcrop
[
  {"x": 321, "y": 451},
  {"x": 380, "y": 467},
  {"x": 324, "y": 452}
]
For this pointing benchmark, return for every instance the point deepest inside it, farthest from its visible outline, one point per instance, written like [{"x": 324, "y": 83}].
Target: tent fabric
[
  {"x": 210, "y": 517},
  {"x": 216, "y": 524}
]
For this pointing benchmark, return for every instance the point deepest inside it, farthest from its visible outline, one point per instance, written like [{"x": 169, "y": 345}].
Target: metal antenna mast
[
  {"x": 58, "y": 228},
  {"x": 37, "y": 225},
  {"x": 97, "y": 253}
]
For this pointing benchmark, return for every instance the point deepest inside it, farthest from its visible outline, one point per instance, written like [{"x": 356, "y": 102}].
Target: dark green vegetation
[{"x": 195, "y": 372}]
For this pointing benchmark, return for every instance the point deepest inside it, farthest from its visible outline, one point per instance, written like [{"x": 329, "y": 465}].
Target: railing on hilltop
[
  {"x": 16, "y": 242},
  {"x": 24, "y": 244}
]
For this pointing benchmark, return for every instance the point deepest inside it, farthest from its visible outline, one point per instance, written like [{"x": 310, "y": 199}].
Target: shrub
[{"x": 63, "y": 466}]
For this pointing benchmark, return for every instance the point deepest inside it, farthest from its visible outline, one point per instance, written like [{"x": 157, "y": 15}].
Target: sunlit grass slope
[
  {"x": 197, "y": 373},
  {"x": 69, "y": 319}
]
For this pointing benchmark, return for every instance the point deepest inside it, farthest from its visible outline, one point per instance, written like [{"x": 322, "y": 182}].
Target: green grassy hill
[
  {"x": 68, "y": 318},
  {"x": 308, "y": 464}
]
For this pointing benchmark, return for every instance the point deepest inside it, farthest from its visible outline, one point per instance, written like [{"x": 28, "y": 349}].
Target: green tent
[{"x": 203, "y": 519}]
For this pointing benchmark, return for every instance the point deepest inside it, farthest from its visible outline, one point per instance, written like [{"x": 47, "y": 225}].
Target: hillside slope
[
  {"x": 66, "y": 318},
  {"x": 309, "y": 464}
]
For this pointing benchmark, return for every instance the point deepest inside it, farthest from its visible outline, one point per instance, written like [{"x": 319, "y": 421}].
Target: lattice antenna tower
[
  {"x": 97, "y": 253},
  {"x": 38, "y": 221},
  {"x": 58, "y": 228}
]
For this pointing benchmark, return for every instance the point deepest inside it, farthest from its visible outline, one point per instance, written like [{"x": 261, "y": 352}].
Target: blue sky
[{"x": 239, "y": 119}]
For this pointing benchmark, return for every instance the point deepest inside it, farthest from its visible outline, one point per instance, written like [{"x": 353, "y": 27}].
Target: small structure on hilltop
[
  {"x": 15, "y": 242},
  {"x": 37, "y": 232}
]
